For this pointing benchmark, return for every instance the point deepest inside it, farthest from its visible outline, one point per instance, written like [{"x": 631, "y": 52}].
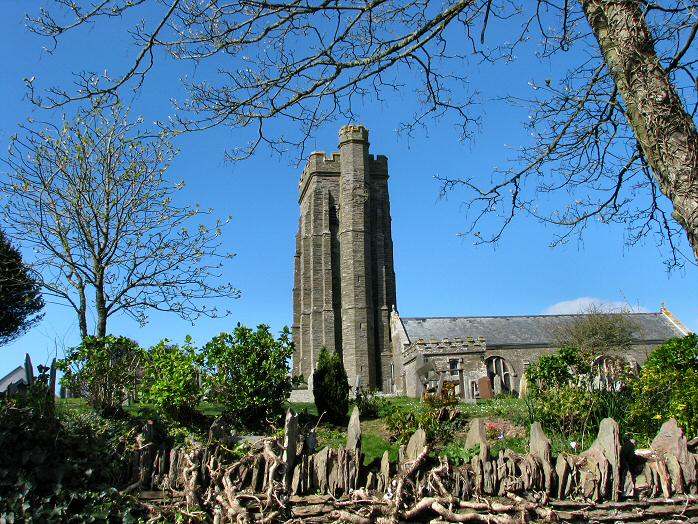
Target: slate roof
[
  {"x": 16, "y": 376},
  {"x": 534, "y": 330}
]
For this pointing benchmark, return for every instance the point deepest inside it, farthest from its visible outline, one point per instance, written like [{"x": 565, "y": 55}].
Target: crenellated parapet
[
  {"x": 353, "y": 133},
  {"x": 445, "y": 346},
  {"x": 318, "y": 165}
]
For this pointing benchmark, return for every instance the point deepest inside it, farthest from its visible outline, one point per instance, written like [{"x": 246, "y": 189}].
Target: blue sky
[{"x": 439, "y": 273}]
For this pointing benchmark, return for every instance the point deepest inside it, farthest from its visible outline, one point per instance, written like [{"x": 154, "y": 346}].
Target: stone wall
[{"x": 270, "y": 483}]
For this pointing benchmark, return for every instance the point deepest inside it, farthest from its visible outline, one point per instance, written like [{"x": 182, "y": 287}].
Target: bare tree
[
  {"x": 613, "y": 136},
  {"x": 92, "y": 201}
]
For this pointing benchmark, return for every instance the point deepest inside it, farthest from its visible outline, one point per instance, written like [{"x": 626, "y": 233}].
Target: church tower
[{"x": 344, "y": 279}]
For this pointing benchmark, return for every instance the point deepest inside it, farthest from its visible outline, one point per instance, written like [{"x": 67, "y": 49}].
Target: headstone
[
  {"x": 485, "y": 388},
  {"x": 354, "y": 430},
  {"x": 416, "y": 444},
  {"x": 440, "y": 386},
  {"x": 290, "y": 443},
  {"x": 52, "y": 379},
  {"x": 497, "y": 385}
]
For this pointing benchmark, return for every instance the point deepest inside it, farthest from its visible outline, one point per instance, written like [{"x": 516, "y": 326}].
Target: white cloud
[{"x": 581, "y": 304}]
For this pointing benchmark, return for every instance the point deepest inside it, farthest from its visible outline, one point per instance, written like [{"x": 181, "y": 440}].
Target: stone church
[{"x": 344, "y": 295}]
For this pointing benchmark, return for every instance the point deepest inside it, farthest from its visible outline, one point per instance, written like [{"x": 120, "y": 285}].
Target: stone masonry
[{"x": 344, "y": 279}]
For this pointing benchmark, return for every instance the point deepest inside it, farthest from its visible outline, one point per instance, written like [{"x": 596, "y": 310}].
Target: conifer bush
[{"x": 331, "y": 387}]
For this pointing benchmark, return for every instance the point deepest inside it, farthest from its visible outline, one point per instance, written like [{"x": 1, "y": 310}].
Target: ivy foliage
[
  {"x": 331, "y": 387},
  {"x": 247, "y": 372},
  {"x": 171, "y": 379},
  {"x": 102, "y": 369},
  {"x": 66, "y": 469}
]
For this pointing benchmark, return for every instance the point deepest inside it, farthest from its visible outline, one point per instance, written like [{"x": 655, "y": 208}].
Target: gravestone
[
  {"x": 497, "y": 385},
  {"x": 485, "y": 387}
]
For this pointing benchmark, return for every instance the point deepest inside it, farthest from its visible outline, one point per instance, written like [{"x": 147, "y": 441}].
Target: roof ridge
[{"x": 526, "y": 316}]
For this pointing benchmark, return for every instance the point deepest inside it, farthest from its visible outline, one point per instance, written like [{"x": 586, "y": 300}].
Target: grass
[
  {"x": 509, "y": 408},
  {"x": 373, "y": 445}
]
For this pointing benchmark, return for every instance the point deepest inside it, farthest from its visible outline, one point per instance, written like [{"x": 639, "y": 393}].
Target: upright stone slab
[
  {"x": 354, "y": 431},
  {"x": 603, "y": 454},
  {"x": 540, "y": 447},
  {"x": 415, "y": 445},
  {"x": 290, "y": 444},
  {"x": 476, "y": 434},
  {"x": 671, "y": 442},
  {"x": 485, "y": 388},
  {"x": 497, "y": 380}
]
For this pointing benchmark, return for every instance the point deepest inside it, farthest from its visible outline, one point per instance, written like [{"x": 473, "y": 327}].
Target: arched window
[{"x": 501, "y": 375}]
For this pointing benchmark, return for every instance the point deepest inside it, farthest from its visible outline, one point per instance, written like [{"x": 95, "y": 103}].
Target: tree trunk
[
  {"x": 665, "y": 132},
  {"x": 100, "y": 306},
  {"x": 82, "y": 313}
]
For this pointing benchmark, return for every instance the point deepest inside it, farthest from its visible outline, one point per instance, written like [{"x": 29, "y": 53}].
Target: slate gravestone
[{"x": 485, "y": 387}]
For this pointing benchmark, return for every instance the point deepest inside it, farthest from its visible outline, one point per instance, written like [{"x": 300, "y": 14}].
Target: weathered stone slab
[
  {"x": 354, "y": 430},
  {"x": 540, "y": 447},
  {"x": 497, "y": 386},
  {"x": 671, "y": 441},
  {"x": 415, "y": 445},
  {"x": 290, "y": 444},
  {"x": 601, "y": 469},
  {"x": 320, "y": 461},
  {"x": 485, "y": 388},
  {"x": 476, "y": 434}
]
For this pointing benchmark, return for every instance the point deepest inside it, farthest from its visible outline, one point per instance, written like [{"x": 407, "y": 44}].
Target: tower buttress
[{"x": 358, "y": 336}]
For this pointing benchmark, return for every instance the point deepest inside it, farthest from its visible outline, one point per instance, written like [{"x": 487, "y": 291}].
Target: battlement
[
  {"x": 318, "y": 164},
  {"x": 446, "y": 346},
  {"x": 379, "y": 165},
  {"x": 321, "y": 164},
  {"x": 353, "y": 133}
]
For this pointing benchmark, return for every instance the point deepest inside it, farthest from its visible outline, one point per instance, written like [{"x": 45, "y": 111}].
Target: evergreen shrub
[
  {"x": 331, "y": 387},
  {"x": 247, "y": 372}
]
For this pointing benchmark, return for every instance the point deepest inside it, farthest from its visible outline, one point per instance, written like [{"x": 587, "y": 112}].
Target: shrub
[
  {"x": 438, "y": 423},
  {"x": 67, "y": 469},
  {"x": 331, "y": 387},
  {"x": 667, "y": 388},
  {"x": 247, "y": 372},
  {"x": 370, "y": 404},
  {"x": 568, "y": 410},
  {"x": 104, "y": 370},
  {"x": 171, "y": 379}
]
